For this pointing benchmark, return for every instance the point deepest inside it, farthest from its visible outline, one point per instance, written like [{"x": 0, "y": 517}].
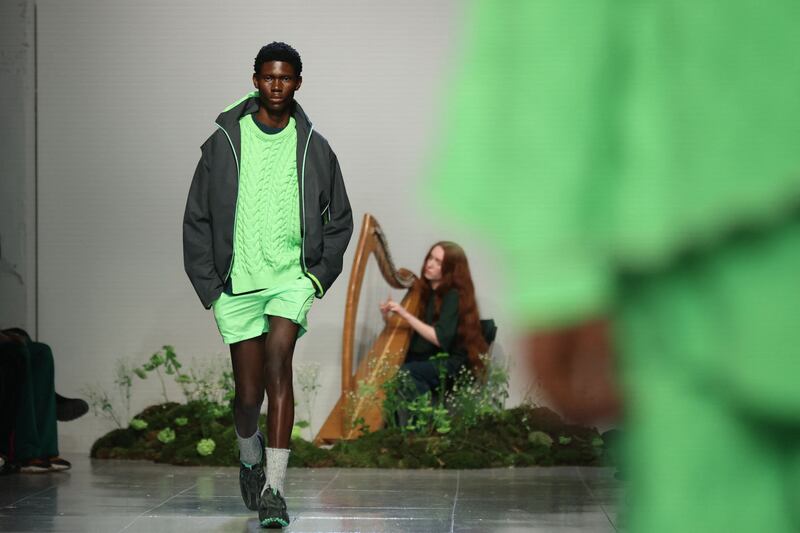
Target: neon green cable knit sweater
[{"x": 267, "y": 232}]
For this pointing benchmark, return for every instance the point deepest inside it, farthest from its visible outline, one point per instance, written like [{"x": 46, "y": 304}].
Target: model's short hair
[{"x": 278, "y": 51}]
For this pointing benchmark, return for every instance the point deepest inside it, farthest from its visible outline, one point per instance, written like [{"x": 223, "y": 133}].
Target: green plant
[
  {"x": 206, "y": 447},
  {"x": 123, "y": 379},
  {"x": 471, "y": 398},
  {"x": 208, "y": 381},
  {"x": 181, "y": 421},
  {"x": 166, "y": 435},
  {"x": 297, "y": 429},
  {"x": 423, "y": 414},
  {"x": 138, "y": 424},
  {"x": 441, "y": 421},
  {"x": 442, "y": 411},
  {"x": 210, "y": 384},
  {"x": 368, "y": 392},
  {"x": 100, "y": 403},
  {"x": 166, "y": 359},
  {"x": 540, "y": 438},
  {"x": 308, "y": 379},
  {"x": 427, "y": 416},
  {"x": 227, "y": 387},
  {"x": 398, "y": 392}
]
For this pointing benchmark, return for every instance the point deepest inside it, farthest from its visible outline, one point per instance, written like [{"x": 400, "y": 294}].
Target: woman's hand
[
  {"x": 390, "y": 306},
  {"x": 385, "y": 309},
  {"x": 425, "y": 330}
]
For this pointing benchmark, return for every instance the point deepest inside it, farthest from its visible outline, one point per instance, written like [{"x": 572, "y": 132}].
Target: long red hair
[{"x": 456, "y": 275}]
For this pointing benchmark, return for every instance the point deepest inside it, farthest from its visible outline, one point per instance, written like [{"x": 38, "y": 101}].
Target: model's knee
[
  {"x": 279, "y": 376},
  {"x": 279, "y": 350},
  {"x": 279, "y": 360},
  {"x": 249, "y": 399}
]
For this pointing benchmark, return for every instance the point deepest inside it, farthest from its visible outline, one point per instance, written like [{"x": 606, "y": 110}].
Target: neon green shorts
[{"x": 246, "y": 316}]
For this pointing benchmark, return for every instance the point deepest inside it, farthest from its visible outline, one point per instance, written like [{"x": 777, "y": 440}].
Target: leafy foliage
[
  {"x": 138, "y": 424},
  {"x": 523, "y": 436},
  {"x": 209, "y": 384},
  {"x": 463, "y": 426},
  {"x": 166, "y": 435},
  {"x": 307, "y": 375},
  {"x": 101, "y": 404},
  {"x": 165, "y": 359},
  {"x": 459, "y": 406},
  {"x": 206, "y": 447}
]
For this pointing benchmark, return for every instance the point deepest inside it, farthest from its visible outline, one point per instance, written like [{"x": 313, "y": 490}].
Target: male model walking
[{"x": 267, "y": 222}]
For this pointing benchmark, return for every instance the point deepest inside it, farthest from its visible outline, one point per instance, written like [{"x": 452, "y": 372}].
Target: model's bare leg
[
  {"x": 279, "y": 346},
  {"x": 248, "y": 359}
]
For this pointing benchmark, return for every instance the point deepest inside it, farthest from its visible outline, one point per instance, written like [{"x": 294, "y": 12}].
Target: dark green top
[{"x": 446, "y": 327}]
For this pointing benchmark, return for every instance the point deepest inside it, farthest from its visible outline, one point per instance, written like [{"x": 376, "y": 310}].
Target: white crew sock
[{"x": 277, "y": 459}]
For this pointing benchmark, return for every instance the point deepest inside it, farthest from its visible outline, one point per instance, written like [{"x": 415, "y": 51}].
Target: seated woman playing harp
[{"x": 448, "y": 322}]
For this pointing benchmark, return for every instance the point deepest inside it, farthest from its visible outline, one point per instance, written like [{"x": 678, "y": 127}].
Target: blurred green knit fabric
[
  {"x": 590, "y": 137},
  {"x": 709, "y": 355},
  {"x": 641, "y": 159}
]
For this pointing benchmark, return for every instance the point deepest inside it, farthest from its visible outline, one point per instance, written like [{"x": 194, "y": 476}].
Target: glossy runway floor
[{"x": 117, "y": 496}]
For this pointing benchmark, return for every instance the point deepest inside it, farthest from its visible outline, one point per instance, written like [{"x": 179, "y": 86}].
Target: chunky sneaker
[
  {"x": 272, "y": 510},
  {"x": 252, "y": 479}
]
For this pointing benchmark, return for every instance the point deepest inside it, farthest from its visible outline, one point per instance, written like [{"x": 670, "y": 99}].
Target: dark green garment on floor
[
  {"x": 639, "y": 159},
  {"x": 36, "y": 432}
]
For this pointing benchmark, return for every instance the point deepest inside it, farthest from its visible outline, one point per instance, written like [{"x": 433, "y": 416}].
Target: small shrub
[
  {"x": 138, "y": 424},
  {"x": 166, "y": 435},
  {"x": 206, "y": 447}
]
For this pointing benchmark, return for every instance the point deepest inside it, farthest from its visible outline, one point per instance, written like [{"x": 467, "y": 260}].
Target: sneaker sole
[
  {"x": 34, "y": 470},
  {"x": 274, "y": 523}
]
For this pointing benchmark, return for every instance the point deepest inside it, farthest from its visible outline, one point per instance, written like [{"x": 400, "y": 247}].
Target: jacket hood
[{"x": 248, "y": 104}]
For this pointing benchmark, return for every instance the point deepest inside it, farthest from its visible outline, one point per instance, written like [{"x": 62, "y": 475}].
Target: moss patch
[{"x": 501, "y": 440}]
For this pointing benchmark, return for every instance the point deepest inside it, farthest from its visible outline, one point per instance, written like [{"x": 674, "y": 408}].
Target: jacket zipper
[
  {"x": 303, "y": 203},
  {"x": 236, "y": 209}
]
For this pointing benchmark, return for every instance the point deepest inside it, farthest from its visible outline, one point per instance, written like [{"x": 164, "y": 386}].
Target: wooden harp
[{"x": 379, "y": 359}]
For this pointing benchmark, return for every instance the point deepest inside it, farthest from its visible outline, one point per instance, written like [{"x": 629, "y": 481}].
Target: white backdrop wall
[{"x": 127, "y": 93}]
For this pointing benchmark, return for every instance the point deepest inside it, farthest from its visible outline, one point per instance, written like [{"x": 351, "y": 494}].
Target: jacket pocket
[{"x": 326, "y": 214}]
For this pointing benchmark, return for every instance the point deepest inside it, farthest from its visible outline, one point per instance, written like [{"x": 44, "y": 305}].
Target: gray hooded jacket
[{"x": 326, "y": 221}]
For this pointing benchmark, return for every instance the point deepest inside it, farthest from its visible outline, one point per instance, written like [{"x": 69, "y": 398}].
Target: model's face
[
  {"x": 276, "y": 83},
  {"x": 433, "y": 265}
]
